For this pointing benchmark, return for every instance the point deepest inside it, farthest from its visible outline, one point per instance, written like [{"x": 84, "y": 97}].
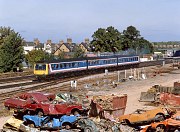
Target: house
[
  {"x": 49, "y": 47},
  {"x": 65, "y": 47},
  {"x": 38, "y": 45},
  {"x": 28, "y": 46},
  {"x": 85, "y": 47}
]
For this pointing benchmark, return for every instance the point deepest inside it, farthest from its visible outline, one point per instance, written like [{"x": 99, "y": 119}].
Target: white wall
[{"x": 27, "y": 48}]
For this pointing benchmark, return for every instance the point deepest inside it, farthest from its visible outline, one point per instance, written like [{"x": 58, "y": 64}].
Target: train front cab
[{"x": 41, "y": 70}]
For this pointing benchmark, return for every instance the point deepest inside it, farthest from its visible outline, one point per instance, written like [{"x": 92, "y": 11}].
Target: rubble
[
  {"x": 157, "y": 94},
  {"x": 13, "y": 124},
  {"x": 108, "y": 106},
  {"x": 103, "y": 115}
]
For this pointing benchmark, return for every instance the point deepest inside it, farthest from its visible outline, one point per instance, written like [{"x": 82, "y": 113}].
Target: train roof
[{"x": 84, "y": 58}]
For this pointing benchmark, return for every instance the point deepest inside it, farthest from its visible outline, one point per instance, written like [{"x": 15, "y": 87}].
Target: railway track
[
  {"x": 16, "y": 79},
  {"x": 18, "y": 85},
  {"x": 44, "y": 86},
  {"x": 6, "y": 95},
  {"x": 15, "y": 74}
]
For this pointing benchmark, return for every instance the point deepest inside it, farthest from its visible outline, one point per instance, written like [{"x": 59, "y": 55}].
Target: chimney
[
  {"x": 36, "y": 41},
  {"x": 69, "y": 40},
  {"x": 61, "y": 42},
  {"x": 86, "y": 40},
  {"x": 48, "y": 41}
]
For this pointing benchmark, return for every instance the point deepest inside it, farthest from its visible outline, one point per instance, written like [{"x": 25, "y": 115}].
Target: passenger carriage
[{"x": 65, "y": 67}]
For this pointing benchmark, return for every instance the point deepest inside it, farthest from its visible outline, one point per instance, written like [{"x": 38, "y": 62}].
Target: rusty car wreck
[{"x": 40, "y": 104}]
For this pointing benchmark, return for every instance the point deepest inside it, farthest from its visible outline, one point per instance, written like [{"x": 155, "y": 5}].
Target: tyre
[
  {"x": 160, "y": 128},
  {"x": 29, "y": 124},
  {"x": 88, "y": 129},
  {"x": 39, "y": 113},
  {"x": 67, "y": 125},
  {"x": 75, "y": 112},
  {"x": 125, "y": 122}
]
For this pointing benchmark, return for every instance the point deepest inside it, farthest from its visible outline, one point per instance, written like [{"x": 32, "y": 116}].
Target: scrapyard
[{"x": 131, "y": 104}]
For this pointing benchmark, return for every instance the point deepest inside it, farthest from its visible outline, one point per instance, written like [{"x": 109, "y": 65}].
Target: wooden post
[
  {"x": 125, "y": 74},
  {"x": 118, "y": 75},
  {"x": 138, "y": 74},
  {"x": 135, "y": 77}
]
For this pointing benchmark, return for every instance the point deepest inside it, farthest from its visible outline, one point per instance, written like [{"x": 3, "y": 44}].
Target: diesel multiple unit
[{"x": 50, "y": 68}]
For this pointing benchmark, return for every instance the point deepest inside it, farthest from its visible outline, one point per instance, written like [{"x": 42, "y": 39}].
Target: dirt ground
[{"x": 133, "y": 90}]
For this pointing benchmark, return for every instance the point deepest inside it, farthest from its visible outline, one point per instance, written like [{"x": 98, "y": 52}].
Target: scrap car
[
  {"x": 47, "y": 122},
  {"x": 39, "y": 104},
  {"x": 169, "y": 125},
  {"x": 146, "y": 116}
]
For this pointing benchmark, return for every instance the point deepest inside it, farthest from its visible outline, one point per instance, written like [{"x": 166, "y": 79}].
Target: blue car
[{"x": 50, "y": 123}]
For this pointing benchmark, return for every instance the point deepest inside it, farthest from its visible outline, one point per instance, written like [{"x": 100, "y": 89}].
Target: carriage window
[
  {"x": 76, "y": 64},
  {"x": 52, "y": 65},
  {"x": 64, "y": 65},
  {"x": 57, "y": 66},
  {"x": 73, "y": 64},
  {"x": 79, "y": 64},
  {"x": 61, "y": 66},
  {"x": 67, "y": 65},
  {"x": 91, "y": 63},
  {"x": 40, "y": 67}
]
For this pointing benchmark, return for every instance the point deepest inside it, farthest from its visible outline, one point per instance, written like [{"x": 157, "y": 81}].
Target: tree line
[
  {"x": 103, "y": 40},
  {"x": 111, "y": 40}
]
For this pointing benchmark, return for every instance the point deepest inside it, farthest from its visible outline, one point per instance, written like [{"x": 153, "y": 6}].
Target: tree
[
  {"x": 106, "y": 40},
  {"x": 33, "y": 56},
  {"x": 61, "y": 55},
  {"x": 49, "y": 56},
  {"x": 78, "y": 53},
  {"x": 144, "y": 46},
  {"x": 11, "y": 50},
  {"x": 132, "y": 39}
]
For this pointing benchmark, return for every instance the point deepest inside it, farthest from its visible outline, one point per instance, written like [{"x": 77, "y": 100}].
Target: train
[{"x": 55, "y": 68}]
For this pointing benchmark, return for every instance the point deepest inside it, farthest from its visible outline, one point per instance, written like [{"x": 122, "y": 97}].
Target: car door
[
  {"x": 60, "y": 108},
  {"x": 31, "y": 104}
]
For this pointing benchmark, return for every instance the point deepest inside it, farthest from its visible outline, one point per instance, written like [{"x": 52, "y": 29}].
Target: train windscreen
[{"x": 40, "y": 67}]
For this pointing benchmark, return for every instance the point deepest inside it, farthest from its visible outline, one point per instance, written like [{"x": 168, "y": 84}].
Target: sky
[{"x": 157, "y": 20}]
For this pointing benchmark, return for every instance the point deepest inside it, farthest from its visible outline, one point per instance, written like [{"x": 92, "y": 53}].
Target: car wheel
[
  {"x": 125, "y": 122},
  {"x": 159, "y": 117},
  {"x": 31, "y": 125},
  {"x": 40, "y": 113},
  {"x": 67, "y": 126},
  {"x": 75, "y": 112},
  {"x": 88, "y": 129},
  {"x": 160, "y": 128}
]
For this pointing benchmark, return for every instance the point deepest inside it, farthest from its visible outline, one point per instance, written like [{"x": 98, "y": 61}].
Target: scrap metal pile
[
  {"x": 169, "y": 96},
  {"x": 43, "y": 112}
]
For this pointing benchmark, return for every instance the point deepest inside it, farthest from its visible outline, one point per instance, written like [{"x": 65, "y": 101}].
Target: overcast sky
[{"x": 157, "y": 20}]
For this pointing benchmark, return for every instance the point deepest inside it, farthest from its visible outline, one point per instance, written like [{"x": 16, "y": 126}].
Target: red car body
[
  {"x": 168, "y": 125},
  {"x": 170, "y": 99},
  {"x": 40, "y": 102}
]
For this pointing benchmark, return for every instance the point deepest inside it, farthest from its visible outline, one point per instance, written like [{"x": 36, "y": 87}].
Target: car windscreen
[{"x": 40, "y": 67}]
